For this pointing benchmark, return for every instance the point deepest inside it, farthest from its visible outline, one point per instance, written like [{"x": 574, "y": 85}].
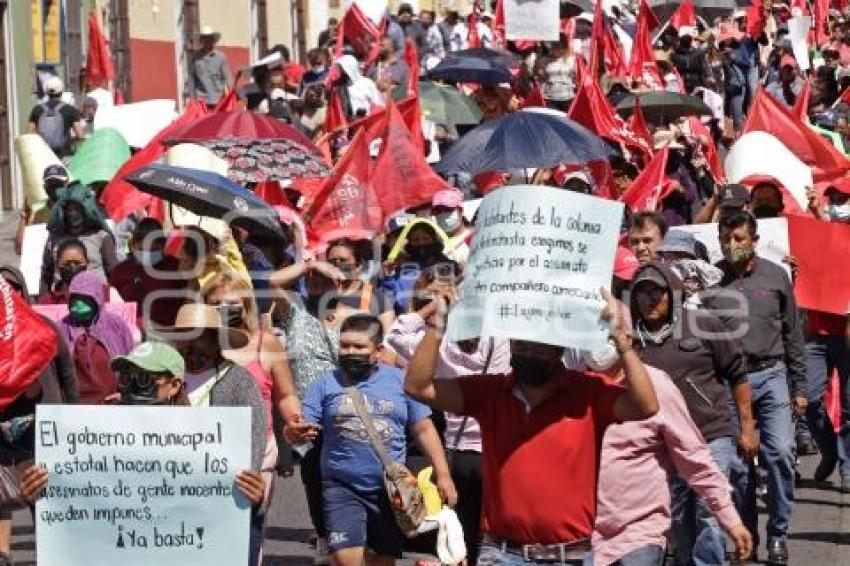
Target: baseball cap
[
  {"x": 679, "y": 241},
  {"x": 687, "y": 31},
  {"x": 55, "y": 172},
  {"x": 155, "y": 357},
  {"x": 398, "y": 222},
  {"x": 652, "y": 274},
  {"x": 787, "y": 61},
  {"x": 625, "y": 264},
  {"x": 447, "y": 199},
  {"x": 734, "y": 196},
  {"x": 54, "y": 85},
  {"x": 841, "y": 185}
]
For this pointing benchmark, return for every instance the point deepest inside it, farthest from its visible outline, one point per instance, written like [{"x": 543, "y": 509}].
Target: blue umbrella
[
  {"x": 207, "y": 194},
  {"x": 523, "y": 140},
  {"x": 471, "y": 70}
]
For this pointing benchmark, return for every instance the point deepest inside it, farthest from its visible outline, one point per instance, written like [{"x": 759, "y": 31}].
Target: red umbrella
[{"x": 243, "y": 124}]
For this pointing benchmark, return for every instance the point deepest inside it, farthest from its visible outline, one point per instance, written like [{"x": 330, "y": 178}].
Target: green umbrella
[
  {"x": 444, "y": 104},
  {"x": 99, "y": 157}
]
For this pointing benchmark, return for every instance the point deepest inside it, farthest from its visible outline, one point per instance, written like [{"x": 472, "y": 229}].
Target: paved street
[{"x": 820, "y": 531}]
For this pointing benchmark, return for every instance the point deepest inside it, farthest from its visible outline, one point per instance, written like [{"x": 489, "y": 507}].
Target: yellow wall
[
  {"x": 279, "y": 22},
  {"x": 232, "y": 18},
  {"x": 152, "y": 19}
]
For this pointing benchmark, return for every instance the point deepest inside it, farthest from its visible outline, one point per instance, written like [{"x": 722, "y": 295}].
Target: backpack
[{"x": 51, "y": 126}]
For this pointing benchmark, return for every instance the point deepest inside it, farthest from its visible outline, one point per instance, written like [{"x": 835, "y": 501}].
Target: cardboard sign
[
  {"x": 538, "y": 260},
  {"x": 142, "y": 485},
  {"x": 534, "y": 20},
  {"x": 772, "y": 244},
  {"x": 823, "y": 277}
]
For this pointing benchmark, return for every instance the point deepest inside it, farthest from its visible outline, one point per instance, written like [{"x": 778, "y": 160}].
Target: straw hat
[{"x": 193, "y": 317}]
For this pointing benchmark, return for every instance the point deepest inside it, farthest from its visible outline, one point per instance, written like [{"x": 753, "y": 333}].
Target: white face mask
[
  {"x": 839, "y": 212},
  {"x": 449, "y": 221},
  {"x": 602, "y": 359},
  {"x": 147, "y": 258}
]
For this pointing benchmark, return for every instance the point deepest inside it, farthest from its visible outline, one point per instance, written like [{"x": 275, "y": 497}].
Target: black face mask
[
  {"x": 531, "y": 371},
  {"x": 356, "y": 366},
  {"x": 139, "y": 387},
  {"x": 765, "y": 211},
  {"x": 422, "y": 253},
  {"x": 68, "y": 272},
  {"x": 74, "y": 219},
  {"x": 315, "y": 301},
  {"x": 232, "y": 316}
]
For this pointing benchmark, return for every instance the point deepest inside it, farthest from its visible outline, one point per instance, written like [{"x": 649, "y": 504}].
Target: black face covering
[
  {"x": 356, "y": 366},
  {"x": 423, "y": 253},
  {"x": 232, "y": 316},
  {"x": 68, "y": 272},
  {"x": 765, "y": 211},
  {"x": 531, "y": 371},
  {"x": 139, "y": 387}
]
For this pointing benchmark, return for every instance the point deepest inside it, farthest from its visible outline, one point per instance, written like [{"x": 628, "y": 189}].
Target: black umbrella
[
  {"x": 497, "y": 56},
  {"x": 662, "y": 107},
  {"x": 523, "y": 140},
  {"x": 207, "y": 194},
  {"x": 471, "y": 70}
]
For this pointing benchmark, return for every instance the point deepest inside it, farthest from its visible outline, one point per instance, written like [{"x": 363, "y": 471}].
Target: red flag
[
  {"x": 120, "y": 198},
  {"x": 597, "y": 41},
  {"x": 685, "y": 15},
  {"x": 229, "y": 102},
  {"x": 637, "y": 124},
  {"x": 335, "y": 116},
  {"x": 28, "y": 344},
  {"x": 756, "y": 20},
  {"x": 651, "y": 186},
  {"x": 832, "y": 400},
  {"x": 820, "y": 17},
  {"x": 499, "y": 24},
  {"x": 534, "y": 97},
  {"x": 615, "y": 56},
  {"x": 346, "y": 205},
  {"x": 592, "y": 110},
  {"x": 818, "y": 245},
  {"x": 651, "y": 18},
  {"x": 768, "y": 115},
  {"x": 99, "y": 69},
  {"x": 401, "y": 176},
  {"x": 411, "y": 57},
  {"x": 272, "y": 193},
  {"x": 699, "y": 130},
  {"x": 801, "y": 105},
  {"x": 642, "y": 65},
  {"x": 359, "y": 31}
]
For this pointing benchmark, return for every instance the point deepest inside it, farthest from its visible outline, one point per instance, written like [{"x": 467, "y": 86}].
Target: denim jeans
[
  {"x": 777, "y": 448},
  {"x": 823, "y": 355},
  {"x": 492, "y": 555},
  {"x": 698, "y": 539},
  {"x": 649, "y": 555}
]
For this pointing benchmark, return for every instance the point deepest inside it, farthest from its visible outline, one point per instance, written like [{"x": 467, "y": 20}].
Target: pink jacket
[{"x": 633, "y": 508}]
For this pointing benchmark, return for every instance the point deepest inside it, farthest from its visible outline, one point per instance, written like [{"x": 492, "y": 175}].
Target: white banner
[
  {"x": 538, "y": 260},
  {"x": 537, "y": 20},
  {"x": 142, "y": 485}
]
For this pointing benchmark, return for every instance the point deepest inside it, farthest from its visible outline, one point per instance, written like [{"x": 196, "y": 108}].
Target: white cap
[
  {"x": 54, "y": 85},
  {"x": 208, "y": 31},
  {"x": 277, "y": 94},
  {"x": 739, "y": 14},
  {"x": 687, "y": 30}
]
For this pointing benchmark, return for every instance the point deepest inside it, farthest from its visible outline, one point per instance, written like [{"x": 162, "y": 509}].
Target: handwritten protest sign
[
  {"x": 142, "y": 485},
  {"x": 32, "y": 255},
  {"x": 536, "y": 20},
  {"x": 772, "y": 244},
  {"x": 537, "y": 263}
]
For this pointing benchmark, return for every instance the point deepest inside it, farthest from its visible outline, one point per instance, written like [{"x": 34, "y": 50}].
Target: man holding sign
[{"x": 542, "y": 424}]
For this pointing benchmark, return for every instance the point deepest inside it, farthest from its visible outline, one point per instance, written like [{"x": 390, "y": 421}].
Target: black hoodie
[{"x": 703, "y": 367}]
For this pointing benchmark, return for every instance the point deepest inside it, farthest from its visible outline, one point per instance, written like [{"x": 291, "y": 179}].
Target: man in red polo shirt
[{"x": 541, "y": 432}]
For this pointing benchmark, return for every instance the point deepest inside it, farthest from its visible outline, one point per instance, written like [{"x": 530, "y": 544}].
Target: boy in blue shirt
[{"x": 357, "y": 511}]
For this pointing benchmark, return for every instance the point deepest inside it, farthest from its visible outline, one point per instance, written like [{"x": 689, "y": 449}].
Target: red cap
[
  {"x": 787, "y": 60},
  {"x": 625, "y": 264}
]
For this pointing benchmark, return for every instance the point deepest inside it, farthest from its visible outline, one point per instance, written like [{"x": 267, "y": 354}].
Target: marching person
[
  {"x": 541, "y": 434},
  {"x": 210, "y": 70}
]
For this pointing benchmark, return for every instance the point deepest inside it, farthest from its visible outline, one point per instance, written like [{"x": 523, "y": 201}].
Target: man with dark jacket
[
  {"x": 693, "y": 348},
  {"x": 690, "y": 61},
  {"x": 413, "y": 29},
  {"x": 756, "y": 302}
]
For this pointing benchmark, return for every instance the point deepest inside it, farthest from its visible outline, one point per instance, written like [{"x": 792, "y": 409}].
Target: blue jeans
[
  {"x": 491, "y": 555},
  {"x": 698, "y": 539},
  {"x": 823, "y": 355},
  {"x": 649, "y": 555},
  {"x": 777, "y": 448}
]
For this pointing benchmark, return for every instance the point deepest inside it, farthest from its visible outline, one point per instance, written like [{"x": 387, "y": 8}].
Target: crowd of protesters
[{"x": 655, "y": 447}]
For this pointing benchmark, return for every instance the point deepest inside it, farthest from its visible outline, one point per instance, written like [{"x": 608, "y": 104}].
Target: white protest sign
[
  {"x": 32, "y": 255},
  {"x": 538, "y": 260},
  {"x": 142, "y": 485},
  {"x": 138, "y": 122},
  {"x": 759, "y": 153},
  {"x": 537, "y": 20},
  {"x": 773, "y": 240}
]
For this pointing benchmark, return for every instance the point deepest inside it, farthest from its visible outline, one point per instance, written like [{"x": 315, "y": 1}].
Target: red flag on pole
[
  {"x": 28, "y": 344},
  {"x": 768, "y": 115},
  {"x": 685, "y": 15},
  {"x": 651, "y": 186},
  {"x": 499, "y": 24},
  {"x": 359, "y": 31},
  {"x": 699, "y": 130},
  {"x": 99, "y": 69},
  {"x": 346, "y": 205},
  {"x": 335, "y": 116},
  {"x": 401, "y": 176},
  {"x": 801, "y": 105},
  {"x": 756, "y": 20},
  {"x": 474, "y": 39},
  {"x": 411, "y": 57},
  {"x": 642, "y": 65},
  {"x": 637, "y": 124},
  {"x": 597, "y": 41}
]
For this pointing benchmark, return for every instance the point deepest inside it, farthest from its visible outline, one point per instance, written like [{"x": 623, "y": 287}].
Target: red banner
[{"x": 808, "y": 239}]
